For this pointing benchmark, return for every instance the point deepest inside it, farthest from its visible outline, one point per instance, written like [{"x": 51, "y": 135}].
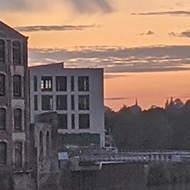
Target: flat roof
[{"x": 61, "y": 64}]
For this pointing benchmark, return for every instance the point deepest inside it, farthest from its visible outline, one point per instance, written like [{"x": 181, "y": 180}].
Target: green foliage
[{"x": 155, "y": 129}]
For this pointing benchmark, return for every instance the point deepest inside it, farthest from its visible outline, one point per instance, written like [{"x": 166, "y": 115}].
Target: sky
[{"x": 143, "y": 45}]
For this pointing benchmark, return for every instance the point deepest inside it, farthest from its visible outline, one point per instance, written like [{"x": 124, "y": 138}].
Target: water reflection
[{"x": 171, "y": 187}]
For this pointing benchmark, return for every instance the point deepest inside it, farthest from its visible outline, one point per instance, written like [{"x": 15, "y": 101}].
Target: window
[
  {"x": 17, "y": 86},
  {"x": 35, "y": 83},
  {"x": 47, "y": 102},
  {"x": 84, "y": 121},
  {"x": 17, "y": 53},
  {"x": 61, "y": 83},
  {"x": 72, "y": 83},
  {"x": 62, "y": 121},
  {"x": 2, "y": 51},
  {"x": 35, "y": 102},
  {"x": 2, "y": 119},
  {"x": 72, "y": 102},
  {"x": 2, "y": 85},
  {"x": 18, "y": 120},
  {"x": 72, "y": 121},
  {"x": 46, "y": 83},
  {"x": 41, "y": 146},
  {"x": 47, "y": 144},
  {"x": 83, "y": 83},
  {"x": 83, "y": 102},
  {"x": 61, "y": 102},
  {"x": 18, "y": 154},
  {"x": 3, "y": 153}
]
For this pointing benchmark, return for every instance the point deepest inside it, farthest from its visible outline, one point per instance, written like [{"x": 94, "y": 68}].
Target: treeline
[{"x": 153, "y": 129}]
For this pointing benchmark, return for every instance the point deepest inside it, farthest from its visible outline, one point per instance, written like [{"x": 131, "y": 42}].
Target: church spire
[
  {"x": 136, "y": 102},
  {"x": 171, "y": 101}
]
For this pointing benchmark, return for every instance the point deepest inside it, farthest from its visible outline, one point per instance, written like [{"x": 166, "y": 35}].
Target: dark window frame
[
  {"x": 73, "y": 121},
  {"x": 47, "y": 143},
  {"x": 17, "y": 86},
  {"x": 35, "y": 102},
  {"x": 72, "y": 83},
  {"x": 17, "y": 53},
  {"x": 18, "y": 113},
  {"x": 41, "y": 146},
  {"x": 61, "y": 83},
  {"x": 61, "y": 102},
  {"x": 2, "y": 85},
  {"x": 84, "y": 121},
  {"x": 2, "y": 51},
  {"x": 3, "y": 153},
  {"x": 63, "y": 121},
  {"x": 3, "y": 119},
  {"x": 18, "y": 154},
  {"x": 83, "y": 83},
  {"x": 44, "y": 105},
  {"x": 72, "y": 102},
  {"x": 83, "y": 102},
  {"x": 35, "y": 83}
]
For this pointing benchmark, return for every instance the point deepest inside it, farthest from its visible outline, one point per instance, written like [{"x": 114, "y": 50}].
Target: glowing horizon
[{"x": 142, "y": 46}]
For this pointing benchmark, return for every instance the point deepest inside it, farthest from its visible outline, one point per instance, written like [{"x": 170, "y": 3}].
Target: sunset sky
[{"x": 143, "y": 45}]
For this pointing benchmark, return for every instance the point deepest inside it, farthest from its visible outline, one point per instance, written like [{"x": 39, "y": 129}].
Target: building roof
[
  {"x": 7, "y": 31},
  {"x": 61, "y": 66}
]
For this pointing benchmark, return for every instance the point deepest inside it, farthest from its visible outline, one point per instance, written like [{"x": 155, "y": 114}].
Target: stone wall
[
  {"x": 24, "y": 181},
  {"x": 122, "y": 176}
]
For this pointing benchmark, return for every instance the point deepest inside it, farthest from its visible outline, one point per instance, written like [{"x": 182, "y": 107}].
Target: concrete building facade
[
  {"x": 14, "y": 100},
  {"x": 77, "y": 97}
]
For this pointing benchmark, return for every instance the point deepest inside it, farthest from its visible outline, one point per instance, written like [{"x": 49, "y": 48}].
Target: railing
[{"x": 159, "y": 156}]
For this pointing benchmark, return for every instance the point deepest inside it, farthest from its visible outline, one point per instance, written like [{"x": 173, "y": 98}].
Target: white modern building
[{"x": 76, "y": 94}]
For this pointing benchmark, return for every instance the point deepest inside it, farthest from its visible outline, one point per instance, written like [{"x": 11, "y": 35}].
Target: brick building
[{"x": 14, "y": 100}]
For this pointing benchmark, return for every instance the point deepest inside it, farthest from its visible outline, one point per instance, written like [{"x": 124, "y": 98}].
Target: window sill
[{"x": 18, "y": 131}]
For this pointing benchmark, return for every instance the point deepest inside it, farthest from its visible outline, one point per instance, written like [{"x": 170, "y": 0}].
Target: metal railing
[{"x": 156, "y": 156}]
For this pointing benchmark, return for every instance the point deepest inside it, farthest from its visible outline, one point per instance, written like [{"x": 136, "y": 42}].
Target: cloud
[
  {"x": 174, "y": 13},
  {"x": 116, "y": 98},
  {"x": 52, "y": 28},
  {"x": 117, "y": 59},
  {"x": 111, "y": 76},
  {"x": 185, "y": 34},
  {"x": 148, "y": 33},
  {"x": 22, "y": 5},
  {"x": 14, "y": 4},
  {"x": 84, "y": 6},
  {"x": 80, "y": 6}
]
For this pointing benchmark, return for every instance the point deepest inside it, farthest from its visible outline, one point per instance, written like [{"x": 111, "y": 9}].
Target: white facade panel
[{"x": 95, "y": 96}]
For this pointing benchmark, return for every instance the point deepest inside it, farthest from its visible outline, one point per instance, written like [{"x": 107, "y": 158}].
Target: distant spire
[
  {"x": 136, "y": 102},
  {"x": 171, "y": 101},
  {"x": 166, "y": 104}
]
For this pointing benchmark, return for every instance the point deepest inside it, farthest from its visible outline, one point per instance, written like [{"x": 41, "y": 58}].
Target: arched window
[
  {"x": 18, "y": 154},
  {"x": 41, "y": 145},
  {"x": 2, "y": 85},
  {"x": 18, "y": 120},
  {"x": 17, "y": 53},
  {"x": 47, "y": 144},
  {"x": 17, "y": 86},
  {"x": 3, "y": 153},
  {"x": 2, "y": 119},
  {"x": 2, "y": 51}
]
